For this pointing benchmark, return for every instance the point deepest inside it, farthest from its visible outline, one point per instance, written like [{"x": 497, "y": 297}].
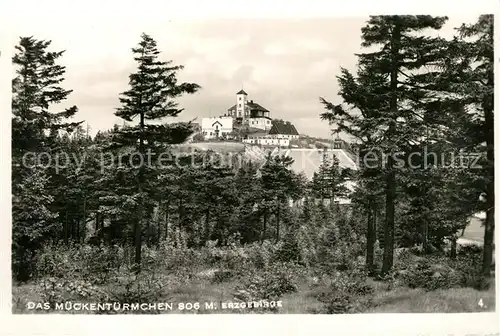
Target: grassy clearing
[
  {"x": 418, "y": 284},
  {"x": 454, "y": 300},
  {"x": 400, "y": 299}
]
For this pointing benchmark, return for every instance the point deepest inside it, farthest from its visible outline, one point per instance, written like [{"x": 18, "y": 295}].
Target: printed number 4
[{"x": 481, "y": 304}]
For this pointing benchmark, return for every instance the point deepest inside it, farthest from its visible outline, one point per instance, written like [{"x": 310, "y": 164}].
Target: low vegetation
[{"x": 325, "y": 277}]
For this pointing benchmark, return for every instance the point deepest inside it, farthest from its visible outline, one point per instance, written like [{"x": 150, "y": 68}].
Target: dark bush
[
  {"x": 221, "y": 276},
  {"x": 348, "y": 292},
  {"x": 270, "y": 284}
]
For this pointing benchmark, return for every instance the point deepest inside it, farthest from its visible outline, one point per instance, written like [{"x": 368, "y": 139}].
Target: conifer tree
[
  {"x": 387, "y": 116},
  {"x": 329, "y": 181},
  {"x": 468, "y": 81},
  {"x": 151, "y": 97},
  {"x": 36, "y": 124},
  {"x": 279, "y": 183},
  {"x": 35, "y": 89}
]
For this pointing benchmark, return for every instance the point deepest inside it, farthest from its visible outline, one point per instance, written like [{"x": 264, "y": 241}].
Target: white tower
[{"x": 241, "y": 102}]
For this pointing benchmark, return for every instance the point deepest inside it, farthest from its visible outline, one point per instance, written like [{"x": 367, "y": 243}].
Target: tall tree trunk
[
  {"x": 96, "y": 224},
  {"x": 140, "y": 214},
  {"x": 72, "y": 223},
  {"x": 489, "y": 225},
  {"x": 147, "y": 237},
  {"x": 167, "y": 211},
  {"x": 181, "y": 213},
  {"x": 264, "y": 228},
  {"x": 370, "y": 239},
  {"x": 390, "y": 192},
  {"x": 137, "y": 235},
  {"x": 207, "y": 224},
  {"x": 425, "y": 234},
  {"x": 84, "y": 224},
  {"x": 278, "y": 222},
  {"x": 78, "y": 230},
  {"x": 453, "y": 247},
  {"x": 389, "y": 220},
  {"x": 66, "y": 228}
]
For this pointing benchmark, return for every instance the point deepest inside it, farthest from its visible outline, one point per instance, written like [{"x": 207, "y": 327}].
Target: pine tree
[
  {"x": 35, "y": 128},
  {"x": 35, "y": 89},
  {"x": 279, "y": 184},
  {"x": 388, "y": 119},
  {"x": 468, "y": 81},
  {"x": 329, "y": 181},
  {"x": 152, "y": 94}
]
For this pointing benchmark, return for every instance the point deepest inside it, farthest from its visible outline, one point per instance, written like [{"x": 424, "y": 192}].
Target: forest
[{"x": 124, "y": 216}]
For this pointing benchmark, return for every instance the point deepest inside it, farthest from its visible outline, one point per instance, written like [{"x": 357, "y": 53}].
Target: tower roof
[{"x": 242, "y": 92}]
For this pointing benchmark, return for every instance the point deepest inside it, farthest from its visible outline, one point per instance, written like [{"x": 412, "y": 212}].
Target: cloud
[{"x": 284, "y": 64}]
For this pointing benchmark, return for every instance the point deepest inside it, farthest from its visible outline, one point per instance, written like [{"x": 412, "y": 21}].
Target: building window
[
  {"x": 239, "y": 98},
  {"x": 239, "y": 105}
]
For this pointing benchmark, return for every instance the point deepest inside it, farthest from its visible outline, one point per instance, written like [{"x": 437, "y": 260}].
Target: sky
[{"x": 283, "y": 64}]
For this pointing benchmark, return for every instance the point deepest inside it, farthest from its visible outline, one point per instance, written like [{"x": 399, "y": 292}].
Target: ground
[
  {"x": 200, "y": 287},
  {"x": 386, "y": 300},
  {"x": 475, "y": 230}
]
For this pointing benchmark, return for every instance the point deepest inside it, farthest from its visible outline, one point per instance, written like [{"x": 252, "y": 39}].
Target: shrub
[
  {"x": 143, "y": 287},
  {"x": 89, "y": 262},
  {"x": 270, "y": 284},
  {"x": 468, "y": 262},
  {"x": 470, "y": 250},
  {"x": 347, "y": 292},
  {"x": 337, "y": 303},
  {"x": 431, "y": 274},
  {"x": 298, "y": 247},
  {"x": 221, "y": 276},
  {"x": 54, "y": 290},
  {"x": 440, "y": 272},
  {"x": 262, "y": 254},
  {"x": 55, "y": 261}
]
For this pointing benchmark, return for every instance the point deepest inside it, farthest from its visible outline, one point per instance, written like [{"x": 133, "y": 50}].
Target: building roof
[
  {"x": 242, "y": 92},
  {"x": 283, "y": 128},
  {"x": 253, "y": 107},
  {"x": 256, "y": 107}
]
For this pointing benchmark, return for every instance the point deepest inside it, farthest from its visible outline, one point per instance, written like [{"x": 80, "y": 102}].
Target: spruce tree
[
  {"x": 468, "y": 81},
  {"x": 36, "y": 123},
  {"x": 151, "y": 97},
  {"x": 329, "y": 181},
  {"x": 279, "y": 184},
  {"x": 383, "y": 110}
]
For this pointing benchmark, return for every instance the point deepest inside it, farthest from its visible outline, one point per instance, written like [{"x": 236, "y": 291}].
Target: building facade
[
  {"x": 216, "y": 127},
  {"x": 263, "y": 123},
  {"x": 249, "y": 113},
  {"x": 284, "y": 130},
  {"x": 265, "y": 139}
]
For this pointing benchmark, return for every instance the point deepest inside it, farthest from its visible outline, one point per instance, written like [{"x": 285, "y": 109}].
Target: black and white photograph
[{"x": 330, "y": 165}]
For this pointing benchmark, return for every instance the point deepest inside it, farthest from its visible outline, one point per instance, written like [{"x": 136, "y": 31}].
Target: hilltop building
[
  {"x": 249, "y": 113},
  {"x": 283, "y": 130},
  {"x": 264, "y": 139},
  {"x": 216, "y": 127},
  {"x": 255, "y": 121}
]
